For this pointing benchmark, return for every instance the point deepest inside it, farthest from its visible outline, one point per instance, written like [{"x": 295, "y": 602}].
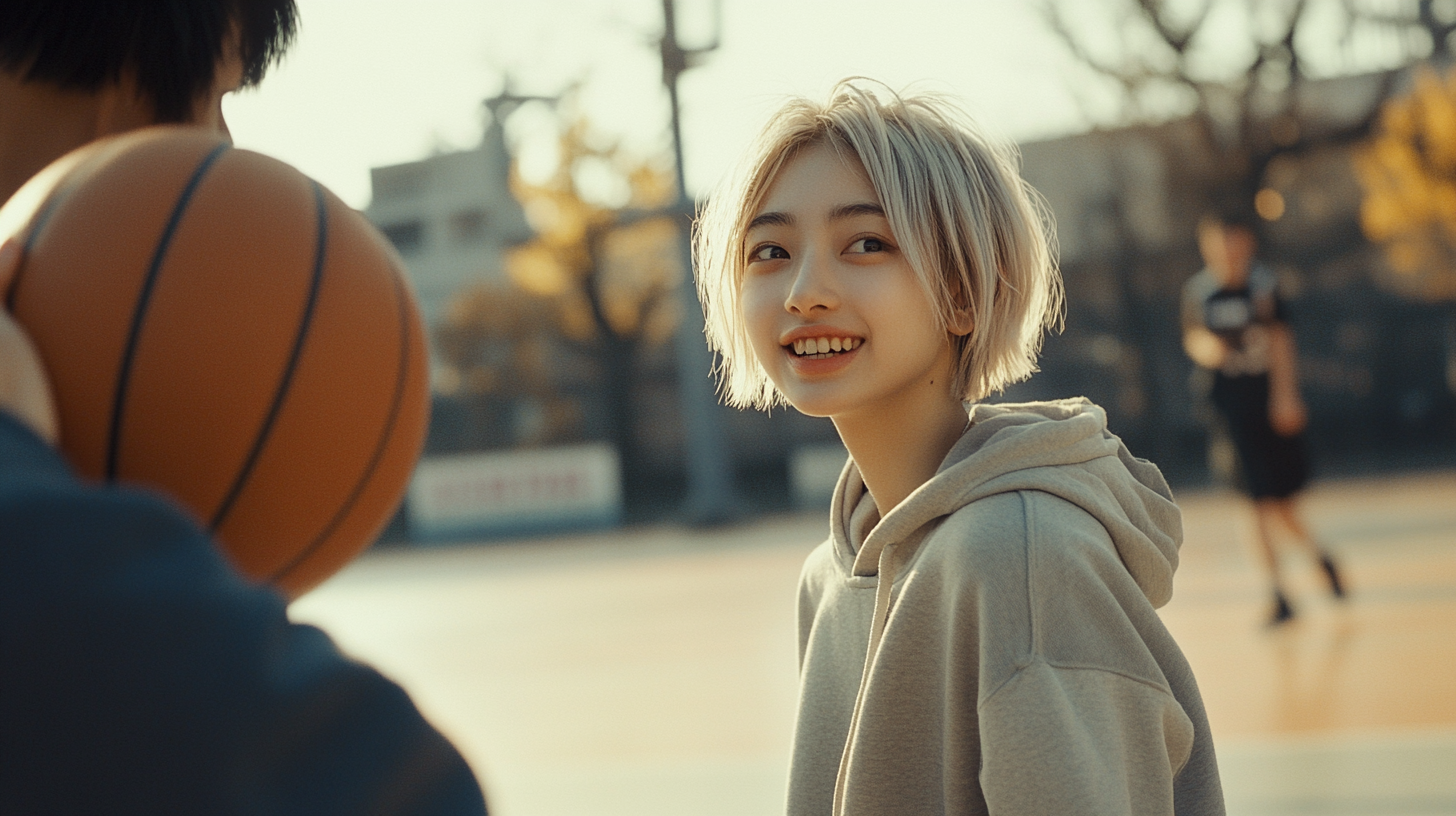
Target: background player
[{"x": 1234, "y": 322}]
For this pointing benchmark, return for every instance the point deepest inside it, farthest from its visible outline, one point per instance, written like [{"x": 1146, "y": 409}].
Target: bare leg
[
  {"x": 1288, "y": 512},
  {"x": 1266, "y": 511}
]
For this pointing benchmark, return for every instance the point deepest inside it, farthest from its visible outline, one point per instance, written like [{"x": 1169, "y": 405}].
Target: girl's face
[{"x": 833, "y": 310}]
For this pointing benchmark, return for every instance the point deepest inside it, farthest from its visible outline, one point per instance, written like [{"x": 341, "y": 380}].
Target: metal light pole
[{"x": 711, "y": 496}]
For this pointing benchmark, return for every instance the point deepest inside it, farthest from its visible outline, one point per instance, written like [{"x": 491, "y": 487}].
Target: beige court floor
[{"x": 652, "y": 671}]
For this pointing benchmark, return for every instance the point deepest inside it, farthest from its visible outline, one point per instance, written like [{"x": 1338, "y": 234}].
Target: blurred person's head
[
  {"x": 1228, "y": 241},
  {"x": 76, "y": 70},
  {"x": 977, "y": 237}
]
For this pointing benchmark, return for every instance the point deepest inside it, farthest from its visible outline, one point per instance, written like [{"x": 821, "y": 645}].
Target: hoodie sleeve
[
  {"x": 1085, "y": 719},
  {"x": 142, "y": 675},
  {"x": 1059, "y": 740}
]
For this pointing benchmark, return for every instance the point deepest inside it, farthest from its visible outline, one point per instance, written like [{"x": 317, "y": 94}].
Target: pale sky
[
  {"x": 372, "y": 82},
  {"x": 375, "y": 82}
]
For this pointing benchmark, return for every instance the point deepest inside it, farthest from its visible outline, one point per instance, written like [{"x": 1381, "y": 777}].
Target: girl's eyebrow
[
  {"x": 857, "y": 208},
  {"x": 770, "y": 219},
  {"x": 783, "y": 219}
]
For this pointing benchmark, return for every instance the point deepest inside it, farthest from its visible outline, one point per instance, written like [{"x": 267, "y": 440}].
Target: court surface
[{"x": 652, "y": 671}]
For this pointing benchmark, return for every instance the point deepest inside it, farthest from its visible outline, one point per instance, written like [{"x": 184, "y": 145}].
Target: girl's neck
[{"x": 899, "y": 447}]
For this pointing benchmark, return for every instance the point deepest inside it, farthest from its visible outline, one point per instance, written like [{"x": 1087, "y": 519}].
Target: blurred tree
[
  {"x": 1246, "y": 71},
  {"x": 586, "y": 297},
  {"x": 497, "y": 347},
  {"x": 1408, "y": 172}
]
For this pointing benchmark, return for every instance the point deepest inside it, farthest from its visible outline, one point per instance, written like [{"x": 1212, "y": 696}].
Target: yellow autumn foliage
[
  {"x": 496, "y": 340},
  {"x": 580, "y": 244},
  {"x": 1408, "y": 173}
]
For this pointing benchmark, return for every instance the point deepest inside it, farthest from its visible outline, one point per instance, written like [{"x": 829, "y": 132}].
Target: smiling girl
[{"x": 978, "y": 634}]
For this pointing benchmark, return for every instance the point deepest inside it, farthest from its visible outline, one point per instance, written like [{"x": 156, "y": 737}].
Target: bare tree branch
[
  {"x": 1287, "y": 41},
  {"x": 1051, "y": 11},
  {"x": 1176, "y": 40},
  {"x": 1134, "y": 76},
  {"x": 1420, "y": 16}
]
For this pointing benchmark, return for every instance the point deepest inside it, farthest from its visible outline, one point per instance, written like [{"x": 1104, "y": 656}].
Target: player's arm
[
  {"x": 1204, "y": 347},
  {"x": 1287, "y": 412}
]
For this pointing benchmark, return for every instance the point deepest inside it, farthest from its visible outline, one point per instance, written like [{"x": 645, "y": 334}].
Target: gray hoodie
[{"x": 991, "y": 645}]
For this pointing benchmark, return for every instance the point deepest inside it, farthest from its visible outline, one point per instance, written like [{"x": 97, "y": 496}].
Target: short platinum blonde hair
[{"x": 978, "y": 237}]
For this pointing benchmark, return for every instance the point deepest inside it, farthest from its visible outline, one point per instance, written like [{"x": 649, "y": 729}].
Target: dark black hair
[
  {"x": 171, "y": 47},
  {"x": 1234, "y": 209}
]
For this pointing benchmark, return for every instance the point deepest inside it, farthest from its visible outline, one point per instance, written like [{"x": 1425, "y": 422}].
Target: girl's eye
[
  {"x": 769, "y": 252},
  {"x": 867, "y": 245}
]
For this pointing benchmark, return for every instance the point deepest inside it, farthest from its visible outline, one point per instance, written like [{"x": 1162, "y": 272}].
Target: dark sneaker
[
  {"x": 1332, "y": 574},
  {"x": 1282, "y": 610}
]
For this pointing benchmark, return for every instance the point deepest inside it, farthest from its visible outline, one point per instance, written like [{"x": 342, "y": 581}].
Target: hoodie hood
[{"x": 1063, "y": 448}]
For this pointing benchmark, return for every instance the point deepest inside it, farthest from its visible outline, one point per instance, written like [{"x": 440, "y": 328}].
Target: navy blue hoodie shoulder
[{"x": 140, "y": 674}]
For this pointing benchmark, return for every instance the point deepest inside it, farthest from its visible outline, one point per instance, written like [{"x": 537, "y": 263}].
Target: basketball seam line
[
  {"x": 379, "y": 448},
  {"x": 286, "y": 382},
  {"x": 45, "y": 215},
  {"x": 40, "y": 221},
  {"x": 139, "y": 316},
  {"x": 68, "y": 186}
]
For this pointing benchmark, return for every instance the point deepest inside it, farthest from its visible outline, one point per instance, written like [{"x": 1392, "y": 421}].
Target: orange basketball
[{"x": 217, "y": 325}]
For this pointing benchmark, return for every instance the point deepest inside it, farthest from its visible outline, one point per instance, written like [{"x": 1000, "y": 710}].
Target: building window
[
  {"x": 399, "y": 181},
  {"x": 467, "y": 227},
  {"x": 408, "y": 237}
]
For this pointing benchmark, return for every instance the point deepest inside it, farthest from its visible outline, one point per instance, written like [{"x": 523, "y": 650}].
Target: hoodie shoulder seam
[{"x": 1067, "y": 666}]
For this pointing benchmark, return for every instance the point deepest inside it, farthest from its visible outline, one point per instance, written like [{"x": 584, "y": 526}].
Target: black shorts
[{"x": 1273, "y": 466}]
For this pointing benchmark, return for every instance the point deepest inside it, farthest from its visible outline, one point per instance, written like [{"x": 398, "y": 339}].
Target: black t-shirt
[{"x": 1241, "y": 317}]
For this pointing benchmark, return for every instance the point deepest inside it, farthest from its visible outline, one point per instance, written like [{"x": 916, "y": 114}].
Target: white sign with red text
[{"x": 507, "y": 492}]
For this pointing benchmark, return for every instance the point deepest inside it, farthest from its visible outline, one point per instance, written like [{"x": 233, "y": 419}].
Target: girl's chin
[
  {"x": 807, "y": 402},
  {"x": 812, "y": 410}
]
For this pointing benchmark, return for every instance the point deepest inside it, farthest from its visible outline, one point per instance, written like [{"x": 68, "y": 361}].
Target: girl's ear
[{"x": 961, "y": 322}]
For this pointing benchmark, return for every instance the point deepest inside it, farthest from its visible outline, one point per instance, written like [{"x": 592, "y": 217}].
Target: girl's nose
[{"x": 812, "y": 288}]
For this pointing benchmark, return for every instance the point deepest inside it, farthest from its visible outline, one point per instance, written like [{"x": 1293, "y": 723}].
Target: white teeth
[{"x": 824, "y": 345}]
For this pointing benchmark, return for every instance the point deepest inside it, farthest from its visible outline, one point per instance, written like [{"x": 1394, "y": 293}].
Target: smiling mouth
[{"x": 818, "y": 348}]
